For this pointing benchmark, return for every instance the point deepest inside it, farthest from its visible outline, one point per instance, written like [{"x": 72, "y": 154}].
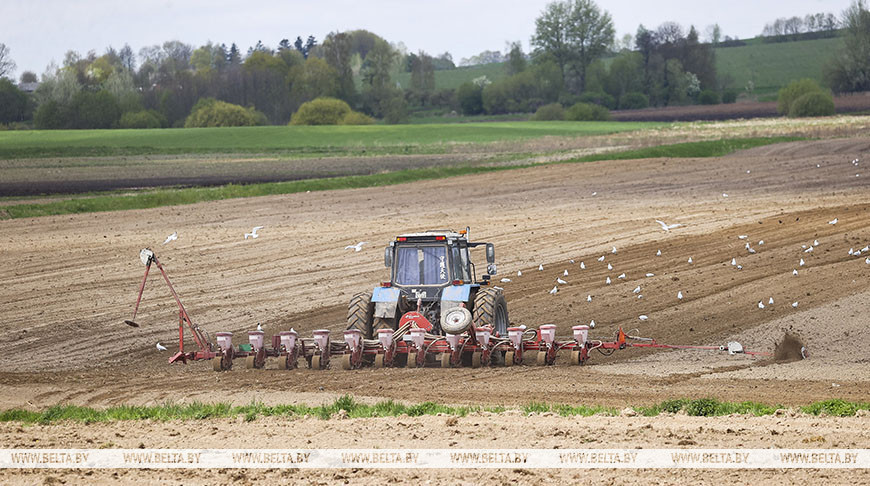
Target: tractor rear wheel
[
  {"x": 379, "y": 323},
  {"x": 359, "y": 314},
  {"x": 490, "y": 309}
]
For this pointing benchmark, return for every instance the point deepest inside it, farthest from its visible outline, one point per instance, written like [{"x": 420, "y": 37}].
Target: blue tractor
[{"x": 430, "y": 274}]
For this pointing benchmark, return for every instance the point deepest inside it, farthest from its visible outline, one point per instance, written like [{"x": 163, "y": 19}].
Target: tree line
[{"x": 575, "y": 58}]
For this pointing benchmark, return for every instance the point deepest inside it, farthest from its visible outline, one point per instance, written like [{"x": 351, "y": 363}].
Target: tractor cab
[{"x": 422, "y": 265}]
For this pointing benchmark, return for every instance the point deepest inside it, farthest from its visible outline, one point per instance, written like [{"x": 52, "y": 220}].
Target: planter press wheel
[
  {"x": 315, "y": 362},
  {"x": 346, "y": 362},
  {"x": 476, "y": 360},
  {"x": 379, "y": 361},
  {"x": 290, "y": 361},
  {"x": 412, "y": 360},
  {"x": 509, "y": 358},
  {"x": 216, "y": 363},
  {"x": 223, "y": 361},
  {"x": 577, "y": 358},
  {"x": 541, "y": 358},
  {"x": 445, "y": 360}
]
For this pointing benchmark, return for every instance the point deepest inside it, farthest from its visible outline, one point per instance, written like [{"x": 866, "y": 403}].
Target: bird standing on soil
[
  {"x": 760, "y": 304},
  {"x": 519, "y": 273},
  {"x": 621, "y": 275},
  {"x": 601, "y": 259},
  {"x": 582, "y": 266},
  {"x": 609, "y": 266},
  {"x": 356, "y": 247},
  {"x": 161, "y": 347},
  {"x": 834, "y": 221},
  {"x": 690, "y": 260},
  {"x": 659, "y": 253},
  {"x": 172, "y": 237},
  {"x": 643, "y": 317},
  {"x": 253, "y": 233},
  {"x": 588, "y": 298},
  {"x": 636, "y": 290},
  {"x": 560, "y": 281},
  {"x": 555, "y": 289},
  {"x": 259, "y": 327},
  {"x": 565, "y": 273},
  {"x": 505, "y": 280},
  {"x": 541, "y": 267},
  {"x": 680, "y": 295},
  {"x": 607, "y": 281}
]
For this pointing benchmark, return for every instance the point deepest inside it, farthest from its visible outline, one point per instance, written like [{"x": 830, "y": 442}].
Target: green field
[
  {"x": 772, "y": 66},
  {"x": 769, "y": 65},
  {"x": 289, "y": 139}
]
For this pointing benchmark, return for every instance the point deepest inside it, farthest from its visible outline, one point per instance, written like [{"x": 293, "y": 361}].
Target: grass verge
[
  {"x": 172, "y": 197},
  {"x": 702, "y": 407}
]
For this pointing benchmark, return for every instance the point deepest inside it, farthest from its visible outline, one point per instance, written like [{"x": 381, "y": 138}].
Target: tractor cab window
[
  {"x": 460, "y": 263},
  {"x": 425, "y": 265}
]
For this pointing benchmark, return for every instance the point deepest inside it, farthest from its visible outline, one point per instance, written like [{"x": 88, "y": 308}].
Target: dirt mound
[{"x": 791, "y": 348}]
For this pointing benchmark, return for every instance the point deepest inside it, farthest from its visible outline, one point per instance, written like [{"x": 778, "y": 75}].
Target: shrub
[
  {"x": 793, "y": 91},
  {"x": 553, "y": 111},
  {"x": 729, "y": 96},
  {"x": 469, "y": 97},
  {"x": 94, "y": 110},
  {"x": 587, "y": 112},
  {"x": 209, "y": 112},
  {"x": 702, "y": 407},
  {"x": 598, "y": 98},
  {"x": 356, "y": 118},
  {"x": 321, "y": 111},
  {"x": 142, "y": 119},
  {"x": 633, "y": 101},
  {"x": 51, "y": 116},
  {"x": 813, "y": 104},
  {"x": 13, "y": 102},
  {"x": 708, "y": 97}
]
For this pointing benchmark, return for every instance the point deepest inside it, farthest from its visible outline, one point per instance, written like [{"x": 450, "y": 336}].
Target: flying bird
[
  {"x": 259, "y": 327},
  {"x": 680, "y": 295},
  {"x": 560, "y": 281},
  {"x": 172, "y": 237},
  {"x": 555, "y": 289},
  {"x": 505, "y": 280},
  {"x": 833, "y": 221},
  {"x": 659, "y": 253},
  {"x": 161, "y": 347},
  {"x": 253, "y": 233},
  {"x": 643, "y": 317},
  {"x": 356, "y": 247},
  {"x": 667, "y": 227}
]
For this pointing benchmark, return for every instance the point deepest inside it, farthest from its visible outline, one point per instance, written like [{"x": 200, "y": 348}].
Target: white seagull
[
  {"x": 505, "y": 280},
  {"x": 667, "y": 227},
  {"x": 760, "y": 304},
  {"x": 565, "y": 273},
  {"x": 659, "y": 253},
  {"x": 802, "y": 263},
  {"x": 519, "y": 273},
  {"x": 253, "y": 233},
  {"x": 621, "y": 275},
  {"x": 161, "y": 347},
  {"x": 560, "y": 281},
  {"x": 555, "y": 289},
  {"x": 588, "y": 298},
  {"x": 601, "y": 259},
  {"x": 690, "y": 260},
  {"x": 770, "y": 302},
  {"x": 582, "y": 266},
  {"x": 613, "y": 250},
  {"x": 541, "y": 267},
  {"x": 815, "y": 242},
  {"x": 172, "y": 237},
  {"x": 760, "y": 242},
  {"x": 794, "y": 304},
  {"x": 680, "y": 295},
  {"x": 733, "y": 262},
  {"x": 742, "y": 237},
  {"x": 650, "y": 275},
  {"x": 794, "y": 272},
  {"x": 259, "y": 327},
  {"x": 356, "y": 247},
  {"x": 636, "y": 290},
  {"x": 592, "y": 324},
  {"x": 609, "y": 266},
  {"x": 607, "y": 281},
  {"x": 643, "y": 317},
  {"x": 833, "y": 221}
]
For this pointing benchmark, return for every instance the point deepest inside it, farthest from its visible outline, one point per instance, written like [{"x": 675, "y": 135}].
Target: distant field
[
  {"x": 772, "y": 66},
  {"x": 452, "y": 78},
  {"x": 295, "y": 140}
]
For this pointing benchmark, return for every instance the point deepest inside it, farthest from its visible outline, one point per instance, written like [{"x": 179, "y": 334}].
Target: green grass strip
[
  {"x": 347, "y": 406},
  {"x": 172, "y": 197},
  {"x": 708, "y": 148}
]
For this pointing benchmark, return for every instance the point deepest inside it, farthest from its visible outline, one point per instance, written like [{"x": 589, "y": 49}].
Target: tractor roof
[{"x": 448, "y": 234}]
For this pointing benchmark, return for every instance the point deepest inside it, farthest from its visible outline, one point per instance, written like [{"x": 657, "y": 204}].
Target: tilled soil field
[{"x": 68, "y": 282}]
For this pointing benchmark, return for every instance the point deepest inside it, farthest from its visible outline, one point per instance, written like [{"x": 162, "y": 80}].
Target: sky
[{"x": 38, "y": 32}]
